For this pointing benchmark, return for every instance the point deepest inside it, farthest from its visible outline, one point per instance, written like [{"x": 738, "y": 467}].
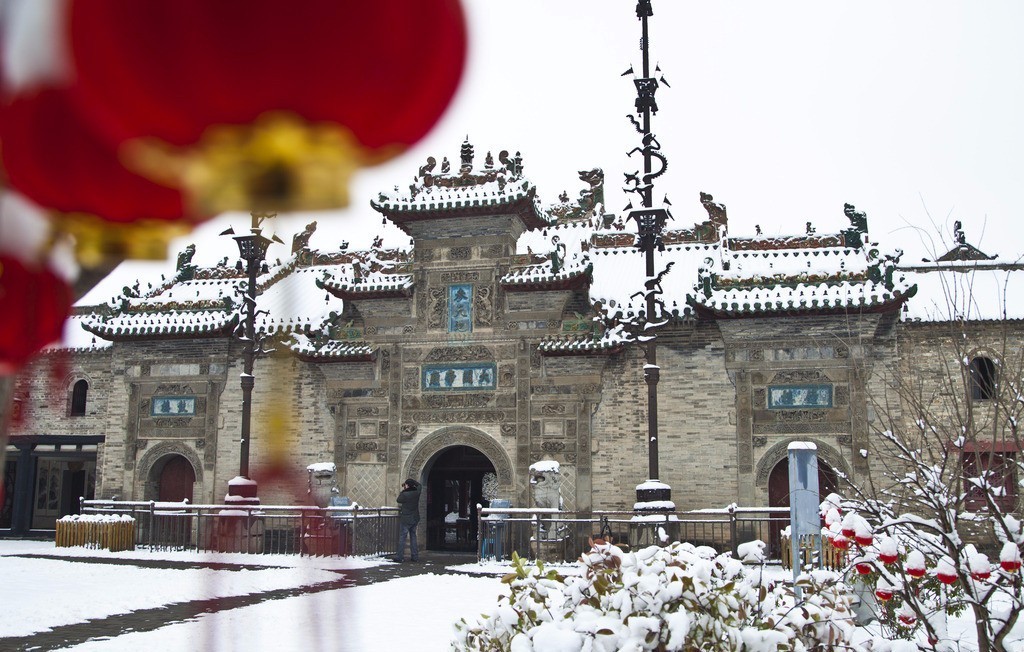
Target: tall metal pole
[
  {"x": 650, "y": 226},
  {"x": 252, "y": 248},
  {"x": 248, "y": 357}
]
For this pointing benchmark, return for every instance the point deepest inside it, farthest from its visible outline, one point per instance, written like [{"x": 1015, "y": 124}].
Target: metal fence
[
  {"x": 547, "y": 534},
  {"x": 259, "y": 529},
  {"x": 554, "y": 535}
]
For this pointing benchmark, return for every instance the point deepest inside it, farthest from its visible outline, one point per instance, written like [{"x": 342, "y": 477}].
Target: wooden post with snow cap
[{"x": 804, "y": 503}]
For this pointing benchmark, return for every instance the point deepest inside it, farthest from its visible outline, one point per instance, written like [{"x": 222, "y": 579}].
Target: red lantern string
[
  {"x": 40, "y": 299},
  {"x": 275, "y": 101}
]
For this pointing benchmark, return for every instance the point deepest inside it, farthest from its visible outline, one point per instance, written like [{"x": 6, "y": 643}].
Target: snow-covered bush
[{"x": 680, "y": 597}]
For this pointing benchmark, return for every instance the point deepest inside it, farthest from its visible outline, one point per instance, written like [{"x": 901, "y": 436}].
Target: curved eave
[
  {"x": 576, "y": 281},
  {"x": 704, "y": 312},
  {"x": 549, "y": 348},
  {"x": 522, "y": 206},
  {"x": 372, "y": 292},
  {"x": 150, "y": 334},
  {"x": 354, "y": 356}
]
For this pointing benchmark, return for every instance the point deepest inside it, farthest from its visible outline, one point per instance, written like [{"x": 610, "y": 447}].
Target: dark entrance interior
[
  {"x": 778, "y": 495},
  {"x": 177, "y": 477},
  {"x": 454, "y": 488}
]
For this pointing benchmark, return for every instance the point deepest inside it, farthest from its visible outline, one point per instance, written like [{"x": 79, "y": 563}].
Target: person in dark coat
[{"x": 409, "y": 518}]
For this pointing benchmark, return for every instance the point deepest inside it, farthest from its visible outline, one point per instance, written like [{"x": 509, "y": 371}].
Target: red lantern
[
  {"x": 264, "y": 104},
  {"x": 946, "y": 578},
  {"x": 41, "y": 301},
  {"x": 883, "y": 594},
  {"x": 1010, "y": 565},
  {"x": 863, "y": 539},
  {"x": 53, "y": 157},
  {"x": 840, "y": 542},
  {"x": 863, "y": 568},
  {"x": 848, "y": 531},
  {"x": 908, "y": 618},
  {"x": 916, "y": 572},
  {"x": 981, "y": 575},
  {"x": 888, "y": 557}
]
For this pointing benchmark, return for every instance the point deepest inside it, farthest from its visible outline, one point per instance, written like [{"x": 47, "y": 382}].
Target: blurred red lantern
[
  {"x": 916, "y": 572},
  {"x": 1010, "y": 565},
  {"x": 840, "y": 542},
  {"x": 888, "y": 557},
  {"x": 981, "y": 575},
  {"x": 54, "y": 158},
  {"x": 264, "y": 105},
  {"x": 883, "y": 594},
  {"x": 863, "y": 539},
  {"x": 946, "y": 578},
  {"x": 863, "y": 568},
  {"x": 908, "y": 618},
  {"x": 34, "y": 302}
]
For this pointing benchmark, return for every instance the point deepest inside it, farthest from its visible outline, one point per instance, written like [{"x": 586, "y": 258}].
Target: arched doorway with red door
[
  {"x": 175, "y": 479},
  {"x": 778, "y": 494}
]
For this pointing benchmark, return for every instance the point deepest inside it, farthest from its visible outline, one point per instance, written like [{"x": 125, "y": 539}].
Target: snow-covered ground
[{"x": 412, "y": 613}]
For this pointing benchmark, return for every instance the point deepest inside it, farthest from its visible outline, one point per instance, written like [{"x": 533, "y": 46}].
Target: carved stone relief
[{"x": 460, "y": 435}]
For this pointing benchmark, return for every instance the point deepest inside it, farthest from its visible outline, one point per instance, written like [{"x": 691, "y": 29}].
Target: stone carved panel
[
  {"x": 463, "y": 436},
  {"x": 459, "y": 353},
  {"x": 798, "y": 428},
  {"x": 457, "y": 416},
  {"x": 508, "y": 429},
  {"x": 483, "y": 306},
  {"x": 460, "y": 277},
  {"x": 460, "y": 253},
  {"x": 799, "y": 376},
  {"x": 438, "y": 308},
  {"x": 791, "y": 416}
]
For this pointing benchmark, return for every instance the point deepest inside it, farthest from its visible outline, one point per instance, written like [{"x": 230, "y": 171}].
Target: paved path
[{"x": 149, "y": 619}]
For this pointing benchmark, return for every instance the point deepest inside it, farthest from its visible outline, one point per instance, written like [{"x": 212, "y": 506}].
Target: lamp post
[
  {"x": 650, "y": 223},
  {"x": 252, "y": 248}
]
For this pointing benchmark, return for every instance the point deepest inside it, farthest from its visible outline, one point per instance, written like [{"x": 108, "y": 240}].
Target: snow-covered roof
[
  {"x": 465, "y": 188},
  {"x": 965, "y": 290}
]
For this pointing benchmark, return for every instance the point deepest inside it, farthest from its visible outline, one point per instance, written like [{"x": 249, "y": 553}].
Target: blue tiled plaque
[
  {"x": 460, "y": 308},
  {"x": 172, "y": 406},
  {"x": 783, "y": 397},
  {"x": 456, "y": 377}
]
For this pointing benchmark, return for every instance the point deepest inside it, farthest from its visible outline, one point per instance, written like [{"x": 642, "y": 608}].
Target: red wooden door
[{"x": 176, "y": 480}]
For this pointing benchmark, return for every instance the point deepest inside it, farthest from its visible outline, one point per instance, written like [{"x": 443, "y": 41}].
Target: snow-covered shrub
[
  {"x": 675, "y": 598},
  {"x": 921, "y": 569}
]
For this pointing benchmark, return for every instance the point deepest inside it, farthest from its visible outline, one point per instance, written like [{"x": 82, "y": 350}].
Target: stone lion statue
[
  {"x": 545, "y": 481},
  {"x": 323, "y": 483}
]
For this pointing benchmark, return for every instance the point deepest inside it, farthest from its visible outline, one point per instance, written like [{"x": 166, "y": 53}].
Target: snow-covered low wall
[{"x": 114, "y": 532}]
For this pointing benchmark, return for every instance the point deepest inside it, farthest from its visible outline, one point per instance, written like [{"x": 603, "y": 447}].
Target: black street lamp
[
  {"x": 650, "y": 223},
  {"x": 252, "y": 249}
]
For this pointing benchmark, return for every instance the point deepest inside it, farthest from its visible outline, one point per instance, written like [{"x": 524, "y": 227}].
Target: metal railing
[
  {"x": 259, "y": 529},
  {"x": 556, "y": 535},
  {"x": 548, "y": 534}
]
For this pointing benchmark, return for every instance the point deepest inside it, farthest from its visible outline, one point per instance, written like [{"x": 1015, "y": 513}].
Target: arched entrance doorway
[
  {"x": 454, "y": 483},
  {"x": 778, "y": 494},
  {"x": 175, "y": 479}
]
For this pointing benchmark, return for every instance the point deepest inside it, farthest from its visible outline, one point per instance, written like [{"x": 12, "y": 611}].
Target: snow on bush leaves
[{"x": 675, "y": 598}]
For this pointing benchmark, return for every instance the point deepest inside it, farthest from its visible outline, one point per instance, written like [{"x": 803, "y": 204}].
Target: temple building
[{"x": 509, "y": 332}]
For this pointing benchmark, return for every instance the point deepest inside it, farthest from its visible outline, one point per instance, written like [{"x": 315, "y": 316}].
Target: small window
[
  {"x": 78, "y": 398},
  {"x": 1000, "y": 472},
  {"x": 983, "y": 379}
]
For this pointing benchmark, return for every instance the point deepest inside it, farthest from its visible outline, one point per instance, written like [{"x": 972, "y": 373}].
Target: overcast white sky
[{"x": 782, "y": 110}]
